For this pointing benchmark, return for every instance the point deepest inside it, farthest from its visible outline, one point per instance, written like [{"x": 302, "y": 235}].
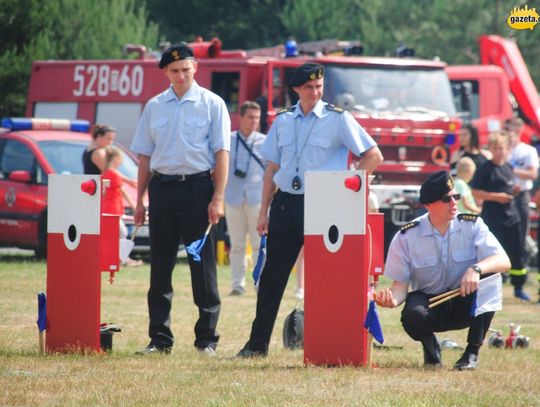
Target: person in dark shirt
[
  {"x": 493, "y": 183},
  {"x": 94, "y": 156},
  {"x": 469, "y": 142}
]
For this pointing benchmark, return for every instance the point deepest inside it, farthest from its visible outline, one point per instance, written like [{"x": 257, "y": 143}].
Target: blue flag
[
  {"x": 372, "y": 323},
  {"x": 42, "y": 312},
  {"x": 196, "y": 247},
  {"x": 261, "y": 259}
]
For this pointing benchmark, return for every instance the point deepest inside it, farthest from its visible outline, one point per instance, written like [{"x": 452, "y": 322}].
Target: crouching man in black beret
[{"x": 438, "y": 252}]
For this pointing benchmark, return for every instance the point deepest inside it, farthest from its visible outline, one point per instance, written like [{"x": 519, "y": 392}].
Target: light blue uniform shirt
[
  {"x": 316, "y": 142},
  {"x": 249, "y": 189},
  {"x": 182, "y": 135},
  {"x": 433, "y": 263}
]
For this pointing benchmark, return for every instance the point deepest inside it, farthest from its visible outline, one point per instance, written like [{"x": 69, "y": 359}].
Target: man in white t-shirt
[{"x": 524, "y": 161}]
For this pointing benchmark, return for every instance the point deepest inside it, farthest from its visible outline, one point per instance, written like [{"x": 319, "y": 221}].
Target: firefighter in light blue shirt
[
  {"x": 315, "y": 141},
  {"x": 243, "y": 192},
  {"x": 310, "y": 136},
  {"x": 183, "y": 142},
  {"x": 438, "y": 252}
]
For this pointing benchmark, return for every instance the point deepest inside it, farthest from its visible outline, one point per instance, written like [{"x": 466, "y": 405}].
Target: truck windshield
[{"x": 365, "y": 89}]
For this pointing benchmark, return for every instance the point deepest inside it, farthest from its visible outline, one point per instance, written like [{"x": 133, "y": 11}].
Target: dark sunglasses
[{"x": 447, "y": 198}]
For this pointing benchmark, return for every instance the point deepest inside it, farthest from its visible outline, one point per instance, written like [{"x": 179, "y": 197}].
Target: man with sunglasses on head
[{"x": 435, "y": 253}]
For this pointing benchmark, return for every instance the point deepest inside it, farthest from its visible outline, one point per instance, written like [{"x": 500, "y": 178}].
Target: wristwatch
[{"x": 477, "y": 268}]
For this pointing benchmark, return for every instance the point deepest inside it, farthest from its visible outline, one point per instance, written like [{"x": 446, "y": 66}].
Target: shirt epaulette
[
  {"x": 469, "y": 217},
  {"x": 284, "y": 110},
  {"x": 408, "y": 226},
  {"x": 334, "y": 108}
]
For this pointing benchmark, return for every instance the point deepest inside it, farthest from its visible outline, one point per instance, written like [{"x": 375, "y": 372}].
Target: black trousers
[
  {"x": 510, "y": 238},
  {"x": 420, "y": 322},
  {"x": 179, "y": 210},
  {"x": 284, "y": 241},
  {"x": 522, "y": 202}
]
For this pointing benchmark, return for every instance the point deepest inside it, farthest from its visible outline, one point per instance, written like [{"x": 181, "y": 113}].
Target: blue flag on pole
[
  {"x": 42, "y": 312},
  {"x": 372, "y": 323},
  {"x": 196, "y": 247},
  {"x": 261, "y": 259}
]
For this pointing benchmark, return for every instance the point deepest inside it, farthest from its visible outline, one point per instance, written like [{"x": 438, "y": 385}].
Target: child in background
[
  {"x": 112, "y": 201},
  {"x": 465, "y": 171}
]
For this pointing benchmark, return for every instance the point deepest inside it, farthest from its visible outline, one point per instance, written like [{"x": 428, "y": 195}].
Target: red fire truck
[
  {"x": 406, "y": 104},
  {"x": 500, "y": 88}
]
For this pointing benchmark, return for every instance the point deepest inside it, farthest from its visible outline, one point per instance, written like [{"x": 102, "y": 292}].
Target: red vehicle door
[{"x": 19, "y": 215}]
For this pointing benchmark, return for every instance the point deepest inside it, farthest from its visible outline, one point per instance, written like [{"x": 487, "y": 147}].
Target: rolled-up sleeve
[
  {"x": 397, "y": 266},
  {"x": 142, "y": 141},
  {"x": 220, "y": 128},
  {"x": 354, "y": 136},
  {"x": 270, "y": 150},
  {"x": 485, "y": 242}
]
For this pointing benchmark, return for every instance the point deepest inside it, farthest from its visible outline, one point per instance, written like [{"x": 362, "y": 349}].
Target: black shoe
[
  {"x": 237, "y": 292},
  {"x": 247, "y": 353},
  {"x": 432, "y": 353},
  {"x": 154, "y": 349},
  {"x": 469, "y": 361}
]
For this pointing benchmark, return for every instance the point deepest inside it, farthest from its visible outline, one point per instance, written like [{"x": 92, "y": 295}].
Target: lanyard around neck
[{"x": 297, "y": 153}]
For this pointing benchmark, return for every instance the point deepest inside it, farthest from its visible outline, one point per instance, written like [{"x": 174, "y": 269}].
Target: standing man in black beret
[
  {"x": 435, "y": 253},
  {"x": 310, "y": 136},
  {"x": 183, "y": 142}
]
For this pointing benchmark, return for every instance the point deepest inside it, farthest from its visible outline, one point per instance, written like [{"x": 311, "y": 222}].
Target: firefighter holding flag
[{"x": 310, "y": 136}]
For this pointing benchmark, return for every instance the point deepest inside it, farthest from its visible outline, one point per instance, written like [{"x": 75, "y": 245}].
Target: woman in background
[
  {"x": 94, "y": 156},
  {"x": 469, "y": 143}
]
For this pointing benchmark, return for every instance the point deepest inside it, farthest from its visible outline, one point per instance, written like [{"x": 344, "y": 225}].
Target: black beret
[
  {"x": 436, "y": 185},
  {"x": 176, "y": 52},
  {"x": 307, "y": 72}
]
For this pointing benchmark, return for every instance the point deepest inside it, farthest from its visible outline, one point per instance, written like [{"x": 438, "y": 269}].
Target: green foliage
[
  {"x": 434, "y": 28},
  {"x": 76, "y": 29},
  {"x": 239, "y": 24},
  {"x": 63, "y": 29}
]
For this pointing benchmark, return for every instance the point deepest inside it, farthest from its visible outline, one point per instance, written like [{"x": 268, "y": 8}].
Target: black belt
[
  {"x": 294, "y": 196},
  {"x": 181, "y": 177}
]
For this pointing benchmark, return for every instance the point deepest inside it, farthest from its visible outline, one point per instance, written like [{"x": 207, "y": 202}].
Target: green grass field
[{"x": 185, "y": 378}]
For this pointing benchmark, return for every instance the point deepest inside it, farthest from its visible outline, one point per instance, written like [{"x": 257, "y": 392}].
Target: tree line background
[{"x": 98, "y": 29}]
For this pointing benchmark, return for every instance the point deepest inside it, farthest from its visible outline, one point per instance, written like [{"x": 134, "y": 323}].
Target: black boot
[
  {"x": 432, "y": 353},
  {"x": 469, "y": 359}
]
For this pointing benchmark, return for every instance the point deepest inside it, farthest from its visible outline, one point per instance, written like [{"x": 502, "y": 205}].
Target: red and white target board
[
  {"x": 338, "y": 257},
  {"x": 82, "y": 242}
]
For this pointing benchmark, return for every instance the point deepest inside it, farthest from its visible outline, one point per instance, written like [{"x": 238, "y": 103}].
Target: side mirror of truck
[{"x": 20, "y": 176}]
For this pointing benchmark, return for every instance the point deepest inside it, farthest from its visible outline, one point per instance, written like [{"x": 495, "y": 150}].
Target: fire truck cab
[
  {"x": 499, "y": 88},
  {"x": 406, "y": 104}
]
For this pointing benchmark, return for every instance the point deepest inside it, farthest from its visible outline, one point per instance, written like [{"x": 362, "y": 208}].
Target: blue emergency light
[
  {"x": 291, "y": 49},
  {"x": 25, "y": 123}
]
